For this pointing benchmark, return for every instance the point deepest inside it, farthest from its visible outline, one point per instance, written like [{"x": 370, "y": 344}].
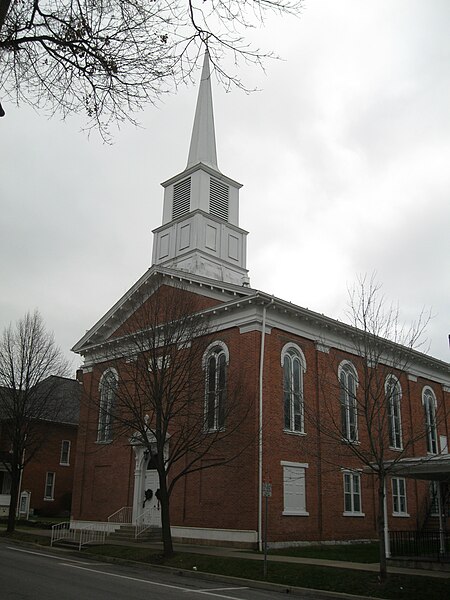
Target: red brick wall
[
  {"x": 227, "y": 496},
  {"x": 46, "y": 459}
]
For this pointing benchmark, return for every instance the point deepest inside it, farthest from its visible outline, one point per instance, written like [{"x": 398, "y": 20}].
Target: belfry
[{"x": 200, "y": 233}]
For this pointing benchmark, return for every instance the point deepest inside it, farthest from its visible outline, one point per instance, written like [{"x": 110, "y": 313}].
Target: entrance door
[{"x": 151, "y": 508}]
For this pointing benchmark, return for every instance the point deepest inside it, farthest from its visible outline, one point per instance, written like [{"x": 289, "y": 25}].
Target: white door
[{"x": 151, "y": 508}]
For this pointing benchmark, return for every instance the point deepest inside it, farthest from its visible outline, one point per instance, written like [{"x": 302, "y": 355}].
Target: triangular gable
[{"x": 210, "y": 292}]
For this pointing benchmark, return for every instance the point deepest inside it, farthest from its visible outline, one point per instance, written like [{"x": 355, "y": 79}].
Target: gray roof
[{"x": 57, "y": 400}]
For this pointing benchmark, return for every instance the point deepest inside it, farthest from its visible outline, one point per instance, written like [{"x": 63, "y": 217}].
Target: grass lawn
[
  {"x": 398, "y": 587},
  {"x": 361, "y": 553}
]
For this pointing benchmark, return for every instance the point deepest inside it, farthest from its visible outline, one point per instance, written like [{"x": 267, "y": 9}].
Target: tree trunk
[
  {"x": 15, "y": 483},
  {"x": 165, "y": 517},
  {"x": 381, "y": 531}
]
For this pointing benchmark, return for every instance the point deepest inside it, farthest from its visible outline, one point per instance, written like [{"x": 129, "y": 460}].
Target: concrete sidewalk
[{"x": 249, "y": 555}]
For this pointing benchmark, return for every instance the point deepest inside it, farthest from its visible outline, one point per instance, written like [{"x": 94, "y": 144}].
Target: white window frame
[
  {"x": 294, "y": 485},
  {"x": 217, "y": 350},
  {"x": 348, "y": 402},
  {"x": 62, "y": 462},
  {"x": 434, "y": 498},
  {"x": 393, "y": 393},
  {"x": 291, "y": 355},
  {"x": 352, "y": 491},
  {"x": 430, "y": 404},
  {"x": 399, "y": 497},
  {"x": 47, "y": 484},
  {"x": 107, "y": 397},
  {"x": 5, "y": 489}
]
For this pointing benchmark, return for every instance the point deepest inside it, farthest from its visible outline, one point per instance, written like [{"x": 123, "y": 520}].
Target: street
[{"x": 31, "y": 574}]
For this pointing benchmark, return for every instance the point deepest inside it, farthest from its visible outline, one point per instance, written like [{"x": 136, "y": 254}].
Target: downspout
[{"x": 260, "y": 433}]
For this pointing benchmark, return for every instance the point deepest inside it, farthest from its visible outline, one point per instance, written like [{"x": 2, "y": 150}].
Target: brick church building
[{"x": 298, "y": 378}]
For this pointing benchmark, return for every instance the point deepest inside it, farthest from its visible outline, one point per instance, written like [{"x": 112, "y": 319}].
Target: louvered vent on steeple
[
  {"x": 181, "y": 198},
  {"x": 218, "y": 199}
]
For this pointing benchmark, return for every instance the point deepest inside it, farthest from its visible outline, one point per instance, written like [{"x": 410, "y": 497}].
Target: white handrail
[
  {"x": 60, "y": 531},
  {"x": 95, "y": 533},
  {"x": 123, "y": 515},
  {"x": 146, "y": 520}
]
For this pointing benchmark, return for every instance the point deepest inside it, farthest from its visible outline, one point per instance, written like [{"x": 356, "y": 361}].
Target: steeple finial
[{"x": 203, "y": 140}]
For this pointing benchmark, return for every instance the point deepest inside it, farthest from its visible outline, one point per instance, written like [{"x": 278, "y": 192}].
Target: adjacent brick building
[
  {"x": 47, "y": 478},
  {"x": 302, "y": 379}
]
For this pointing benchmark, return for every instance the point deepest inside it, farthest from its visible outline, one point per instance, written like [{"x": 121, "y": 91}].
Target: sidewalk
[{"x": 249, "y": 555}]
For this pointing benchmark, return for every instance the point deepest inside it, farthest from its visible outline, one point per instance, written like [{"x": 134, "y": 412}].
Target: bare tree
[
  {"x": 360, "y": 410},
  {"x": 154, "y": 391},
  {"x": 107, "y": 58},
  {"x": 29, "y": 357}
]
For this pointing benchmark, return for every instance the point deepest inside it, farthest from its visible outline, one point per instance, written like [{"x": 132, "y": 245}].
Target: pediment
[{"x": 204, "y": 292}]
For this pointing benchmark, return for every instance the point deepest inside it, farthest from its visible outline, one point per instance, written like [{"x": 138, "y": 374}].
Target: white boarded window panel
[
  {"x": 185, "y": 236},
  {"x": 181, "y": 198},
  {"x": 294, "y": 490},
  {"x": 233, "y": 247},
  {"x": 164, "y": 246},
  {"x": 218, "y": 199},
  {"x": 211, "y": 238}
]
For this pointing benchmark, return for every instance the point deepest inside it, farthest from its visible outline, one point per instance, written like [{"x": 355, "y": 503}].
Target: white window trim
[
  {"x": 393, "y": 380},
  {"x": 212, "y": 346},
  {"x": 348, "y": 513},
  {"x": 345, "y": 366},
  {"x": 427, "y": 388},
  {"x": 216, "y": 347},
  {"x": 52, "y": 497},
  {"x": 65, "y": 464},
  {"x": 399, "y": 513},
  {"x": 103, "y": 439},
  {"x": 292, "y": 349},
  {"x": 296, "y": 465}
]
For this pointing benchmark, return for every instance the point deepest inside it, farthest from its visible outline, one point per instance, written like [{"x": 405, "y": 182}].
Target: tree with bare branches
[
  {"x": 360, "y": 417},
  {"x": 31, "y": 365},
  {"x": 107, "y": 58},
  {"x": 152, "y": 391}
]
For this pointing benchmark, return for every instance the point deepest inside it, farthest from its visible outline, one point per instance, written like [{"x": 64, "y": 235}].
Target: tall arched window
[
  {"x": 393, "y": 396},
  {"x": 294, "y": 366},
  {"x": 215, "y": 361},
  {"x": 108, "y": 392},
  {"x": 348, "y": 381},
  {"x": 429, "y": 404}
]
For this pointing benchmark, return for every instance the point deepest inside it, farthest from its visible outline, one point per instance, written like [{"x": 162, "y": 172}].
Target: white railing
[
  {"x": 90, "y": 534},
  {"x": 61, "y": 531},
  {"x": 93, "y": 534},
  {"x": 123, "y": 515},
  {"x": 149, "y": 518}
]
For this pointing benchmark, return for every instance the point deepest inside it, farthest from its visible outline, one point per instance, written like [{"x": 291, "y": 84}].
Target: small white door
[{"x": 150, "y": 502}]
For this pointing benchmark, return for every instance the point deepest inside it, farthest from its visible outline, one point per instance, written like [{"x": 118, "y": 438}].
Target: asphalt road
[{"x": 28, "y": 574}]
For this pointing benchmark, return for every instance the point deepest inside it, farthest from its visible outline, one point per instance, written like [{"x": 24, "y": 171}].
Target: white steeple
[
  {"x": 200, "y": 231},
  {"x": 203, "y": 139}
]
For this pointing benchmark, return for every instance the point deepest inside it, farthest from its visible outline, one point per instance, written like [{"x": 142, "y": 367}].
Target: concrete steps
[{"x": 126, "y": 533}]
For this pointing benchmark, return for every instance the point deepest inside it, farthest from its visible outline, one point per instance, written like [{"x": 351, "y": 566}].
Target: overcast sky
[{"x": 344, "y": 155}]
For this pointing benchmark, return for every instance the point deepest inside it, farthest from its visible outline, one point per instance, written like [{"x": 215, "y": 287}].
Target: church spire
[
  {"x": 203, "y": 139},
  {"x": 200, "y": 232}
]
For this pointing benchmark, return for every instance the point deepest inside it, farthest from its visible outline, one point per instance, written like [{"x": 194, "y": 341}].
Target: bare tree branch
[{"x": 107, "y": 58}]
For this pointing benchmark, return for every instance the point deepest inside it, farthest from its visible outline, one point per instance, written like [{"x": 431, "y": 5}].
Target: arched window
[
  {"x": 215, "y": 361},
  {"x": 429, "y": 404},
  {"x": 348, "y": 381},
  {"x": 393, "y": 396},
  {"x": 294, "y": 366},
  {"x": 108, "y": 392}
]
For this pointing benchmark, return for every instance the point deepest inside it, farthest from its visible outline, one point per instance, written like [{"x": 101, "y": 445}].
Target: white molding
[
  {"x": 242, "y": 536},
  {"x": 288, "y": 463}
]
